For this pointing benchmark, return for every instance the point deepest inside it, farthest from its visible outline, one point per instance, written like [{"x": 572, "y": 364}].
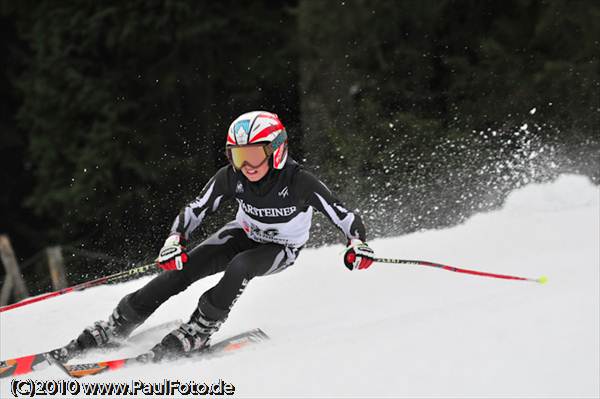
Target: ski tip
[
  {"x": 542, "y": 280},
  {"x": 84, "y": 370},
  {"x": 62, "y": 367},
  {"x": 7, "y": 369}
]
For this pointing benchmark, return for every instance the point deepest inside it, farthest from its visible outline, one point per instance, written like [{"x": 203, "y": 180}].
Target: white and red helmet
[{"x": 260, "y": 127}]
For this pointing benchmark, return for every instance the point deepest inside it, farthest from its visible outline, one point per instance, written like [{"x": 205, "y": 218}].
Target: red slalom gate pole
[
  {"x": 79, "y": 287},
  {"x": 541, "y": 280}
]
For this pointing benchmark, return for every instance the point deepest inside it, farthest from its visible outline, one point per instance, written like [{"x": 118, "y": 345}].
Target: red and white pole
[{"x": 541, "y": 280}]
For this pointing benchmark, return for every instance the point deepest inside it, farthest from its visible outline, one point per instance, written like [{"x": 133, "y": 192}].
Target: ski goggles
[{"x": 254, "y": 155}]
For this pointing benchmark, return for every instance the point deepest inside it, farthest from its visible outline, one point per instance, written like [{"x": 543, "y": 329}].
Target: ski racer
[{"x": 276, "y": 198}]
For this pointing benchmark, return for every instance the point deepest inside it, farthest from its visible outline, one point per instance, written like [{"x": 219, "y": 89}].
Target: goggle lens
[{"x": 253, "y": 155}]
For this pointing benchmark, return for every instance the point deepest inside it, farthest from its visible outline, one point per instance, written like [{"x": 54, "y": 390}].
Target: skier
[{"x": 276, "y": 198}]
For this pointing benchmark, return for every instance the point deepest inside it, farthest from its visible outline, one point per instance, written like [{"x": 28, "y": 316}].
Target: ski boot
[
  {"x": 123, "y": 320},
  {"x": 191, "y": 336}
]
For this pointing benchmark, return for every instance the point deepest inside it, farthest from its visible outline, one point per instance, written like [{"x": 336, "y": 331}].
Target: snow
[{"x": 392, "y": 330}]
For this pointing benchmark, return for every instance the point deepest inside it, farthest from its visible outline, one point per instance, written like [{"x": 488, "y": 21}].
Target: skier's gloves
[
  {"x": 358, "y": 255},
  {"x": 172, "y": 255}
]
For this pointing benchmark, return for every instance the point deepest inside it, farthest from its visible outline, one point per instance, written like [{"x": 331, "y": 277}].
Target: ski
[
  {"x": 25, "y": 364},
  {"x": 38, "y": 361},
  {"x": 225, "y": 346}
]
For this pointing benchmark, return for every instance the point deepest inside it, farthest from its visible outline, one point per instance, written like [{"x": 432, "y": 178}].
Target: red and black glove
[
  {"x": 172, "y": 255},
  {"x": 358, "y": 255}
]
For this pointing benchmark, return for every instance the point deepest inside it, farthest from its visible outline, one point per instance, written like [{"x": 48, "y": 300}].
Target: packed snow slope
[{"x": 392, "y": 330}]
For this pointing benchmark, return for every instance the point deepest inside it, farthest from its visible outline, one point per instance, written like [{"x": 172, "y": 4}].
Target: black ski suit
[{"x": 271, "y": 227}]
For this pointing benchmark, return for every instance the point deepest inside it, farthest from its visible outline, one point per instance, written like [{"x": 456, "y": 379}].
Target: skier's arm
[
  {"x": 358, "y": 255},
  {"x": 173, "y": 254},
  {"x": 217, "y": 190},
  {"x": 320, "y": 197}
]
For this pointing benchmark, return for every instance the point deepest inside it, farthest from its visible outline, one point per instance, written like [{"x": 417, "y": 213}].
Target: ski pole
[
  {"x": 541, "y": 280},
  {"x": 81, "y": 287}
]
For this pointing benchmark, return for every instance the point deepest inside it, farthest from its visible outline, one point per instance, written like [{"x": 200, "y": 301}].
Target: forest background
[{"x": 416, "y": 113}]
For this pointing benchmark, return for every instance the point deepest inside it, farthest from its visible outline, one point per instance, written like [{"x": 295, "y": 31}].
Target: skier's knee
[
  {"x": 179, "y": 279},
  {"x": 239, "y": 268}
]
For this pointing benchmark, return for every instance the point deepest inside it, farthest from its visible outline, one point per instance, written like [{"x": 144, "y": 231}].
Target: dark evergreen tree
[{"x": 418, "y": 113}]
